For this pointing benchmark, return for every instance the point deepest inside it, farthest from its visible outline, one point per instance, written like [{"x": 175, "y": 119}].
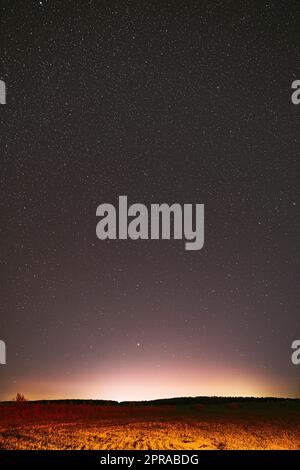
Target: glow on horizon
[{"x": 134, "y": 384}]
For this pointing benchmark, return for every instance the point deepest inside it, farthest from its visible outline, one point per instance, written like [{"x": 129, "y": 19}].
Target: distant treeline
[
  {"x": 167, "y": 401},
  {"x": 208, "y": 400}
]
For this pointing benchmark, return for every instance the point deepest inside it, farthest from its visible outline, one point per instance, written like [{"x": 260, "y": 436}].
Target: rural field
[{"x": 195, "y": 424}]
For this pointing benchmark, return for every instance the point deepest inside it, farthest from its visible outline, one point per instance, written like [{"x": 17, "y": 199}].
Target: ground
[{"x": 231, "y": 425}]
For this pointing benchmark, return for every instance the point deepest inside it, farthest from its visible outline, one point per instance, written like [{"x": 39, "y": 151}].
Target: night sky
[{"x": 186, "y": 102}]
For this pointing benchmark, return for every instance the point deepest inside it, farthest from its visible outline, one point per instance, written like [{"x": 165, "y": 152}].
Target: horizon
[
  {"x": 162, "y": 399},
  {"x": 151, "y": 384}
]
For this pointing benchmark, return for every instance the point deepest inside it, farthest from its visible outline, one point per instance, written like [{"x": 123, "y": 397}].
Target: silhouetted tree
[{"x": 19, "y": 398}]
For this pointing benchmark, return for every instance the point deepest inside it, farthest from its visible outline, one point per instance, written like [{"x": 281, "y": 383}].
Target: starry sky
[{"x": 176, "y": 101}]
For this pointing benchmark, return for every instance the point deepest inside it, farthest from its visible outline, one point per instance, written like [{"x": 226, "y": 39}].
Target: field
[{"x": 187, "y": 424}]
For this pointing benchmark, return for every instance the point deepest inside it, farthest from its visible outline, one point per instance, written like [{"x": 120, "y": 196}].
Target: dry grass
[{"x": 195, "y": 427}]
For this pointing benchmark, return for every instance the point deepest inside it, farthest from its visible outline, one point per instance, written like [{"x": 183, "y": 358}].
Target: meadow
[{"x": 194, "y": 424}]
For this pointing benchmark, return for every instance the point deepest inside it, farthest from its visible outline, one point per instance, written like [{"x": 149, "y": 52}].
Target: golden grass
[{"x": 157, "y": 428}]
